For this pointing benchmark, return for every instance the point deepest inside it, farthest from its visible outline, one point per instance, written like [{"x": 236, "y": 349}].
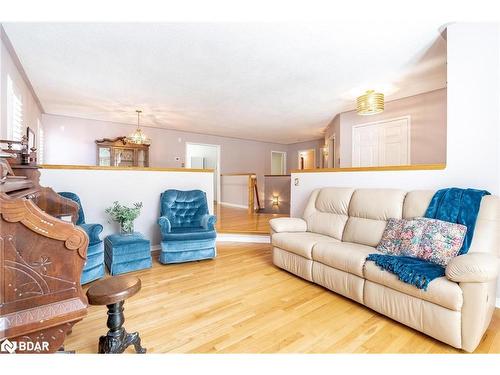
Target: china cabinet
[{"x": 119, "y": 152}]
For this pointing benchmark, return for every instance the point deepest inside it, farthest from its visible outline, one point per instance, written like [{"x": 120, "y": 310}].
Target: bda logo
[{"x": 8, "y": 346}]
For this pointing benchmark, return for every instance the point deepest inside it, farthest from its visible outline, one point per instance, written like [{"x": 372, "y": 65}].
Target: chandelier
[
  {"x": 370, "y": 103},
  {"x": 138, "y": 137}
]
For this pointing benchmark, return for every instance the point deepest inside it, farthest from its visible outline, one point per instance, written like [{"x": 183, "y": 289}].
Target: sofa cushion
[
  {"x": 416, "y": 203},
  {"x": 189, "y": 234},
  {"x": 441, "y": 291},
  {"x": 326, "y": 211},
  {"x": 345, "y": 256},
  {"x": 369, "y": 210},
  {"x": 299, "y": 243}
]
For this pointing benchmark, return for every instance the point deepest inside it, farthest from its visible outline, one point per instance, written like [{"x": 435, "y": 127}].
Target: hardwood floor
[
  {"x": 241, "y": 303},
  {"x": 239, "y": 220}
]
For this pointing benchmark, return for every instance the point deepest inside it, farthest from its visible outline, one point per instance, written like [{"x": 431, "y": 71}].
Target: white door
[
  {"x": 278, "y": 163},
  {"x": 197, "y": 162},
  {"x": 205, "y": 156},
  {"x": 384, "y": 143}
]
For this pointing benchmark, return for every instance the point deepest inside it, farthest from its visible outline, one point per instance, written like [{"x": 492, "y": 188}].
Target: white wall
[
  {"x": 98, "y": 189},
  {"x": 234, "y": 190},
  {"x": 9, "y": 68},
  {"x": 473, "y": 129}
]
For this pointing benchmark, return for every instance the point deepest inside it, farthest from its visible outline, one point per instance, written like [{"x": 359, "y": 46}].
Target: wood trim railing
[
  {"x": 100, "y": 168},
  {"x": 238, "y": 174},
  {"x": 253, "y": 194},
  {"x": 416, "y": 167}
]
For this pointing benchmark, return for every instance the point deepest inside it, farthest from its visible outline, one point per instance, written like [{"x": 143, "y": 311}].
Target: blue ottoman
[{"x": 127, "y": 253}]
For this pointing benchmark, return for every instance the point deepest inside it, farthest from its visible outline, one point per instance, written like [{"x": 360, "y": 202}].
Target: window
[
  {"x": 41, "y": 141},
  {"x": 14, "y": 112}
]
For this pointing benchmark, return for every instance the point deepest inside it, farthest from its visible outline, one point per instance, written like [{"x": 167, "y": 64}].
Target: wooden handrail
[
  {"x": 253, "y": 194},
  {"x": 238, "y": 174}
]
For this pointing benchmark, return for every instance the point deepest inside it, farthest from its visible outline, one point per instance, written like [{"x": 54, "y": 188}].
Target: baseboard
[
  {"x": 236, "y": 237},
  {"x": 498, "y": 302},
  {"x": 233, "y": 205}
]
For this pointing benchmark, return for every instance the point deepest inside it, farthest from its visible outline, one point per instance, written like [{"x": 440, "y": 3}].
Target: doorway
[
  {"x": 331, "y": 152},
  {"x": 307, "y": 159},
  {"x": 205, "y": 156},
  {"x": 278, "y": 162}
]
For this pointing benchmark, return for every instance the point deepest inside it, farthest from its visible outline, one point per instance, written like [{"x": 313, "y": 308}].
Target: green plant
[{"x": 123, "y": 214}]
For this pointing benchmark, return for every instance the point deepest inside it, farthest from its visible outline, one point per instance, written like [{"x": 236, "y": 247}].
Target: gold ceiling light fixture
[
  {"x": 138, "y": 137},
  {"x": 370, "y": 103}
]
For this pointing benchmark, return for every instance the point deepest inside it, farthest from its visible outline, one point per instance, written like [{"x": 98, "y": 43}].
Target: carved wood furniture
[
  {"x": 118, "y": 152},
  {"x": 41, "y": 261},
  {"x": 113, "y": 292},
  {"x": 22, "y": 154}
]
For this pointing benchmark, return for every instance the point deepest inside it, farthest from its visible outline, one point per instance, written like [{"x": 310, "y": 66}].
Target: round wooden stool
[{"x": 113, "y": 292}]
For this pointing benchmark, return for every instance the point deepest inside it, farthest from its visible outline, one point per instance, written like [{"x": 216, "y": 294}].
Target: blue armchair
[
  {"x": 187, "y": 229},
  {"x": 94, "y": 265}
]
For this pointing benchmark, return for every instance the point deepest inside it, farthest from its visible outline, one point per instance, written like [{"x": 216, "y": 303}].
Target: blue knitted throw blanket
[{"x": 453, "y": 205}]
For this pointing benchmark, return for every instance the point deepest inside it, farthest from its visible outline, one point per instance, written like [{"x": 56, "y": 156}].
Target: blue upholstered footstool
[{"x": 127, "y": 253}]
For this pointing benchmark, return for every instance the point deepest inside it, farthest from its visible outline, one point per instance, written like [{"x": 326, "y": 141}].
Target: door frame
[
  {"x": 306, "y": 150},
  {"x": 283, "y": 161},
  {"x": 216, "y": 175},
  {"x": 373, "y": 123},
  {"x": 330, "y": 142}
]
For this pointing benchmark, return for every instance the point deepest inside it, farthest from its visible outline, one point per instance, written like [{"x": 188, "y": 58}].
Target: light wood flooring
[
  {"x": 239, "y": 220},
  {"x": 241, "y": 303}
]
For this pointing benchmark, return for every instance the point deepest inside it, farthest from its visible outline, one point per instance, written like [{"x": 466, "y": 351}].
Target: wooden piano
[{"x": 41, "y": 261}]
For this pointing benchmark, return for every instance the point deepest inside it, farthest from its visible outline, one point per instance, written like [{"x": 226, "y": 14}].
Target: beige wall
[
  {"x": 293, "y": 149},
  {"x": 428, "y": 127}
]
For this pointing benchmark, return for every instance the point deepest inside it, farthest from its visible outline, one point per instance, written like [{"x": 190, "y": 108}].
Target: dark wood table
[{"x": 113, "y": 292}]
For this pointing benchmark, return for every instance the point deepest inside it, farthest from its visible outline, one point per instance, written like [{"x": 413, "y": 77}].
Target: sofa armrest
[
  {"x": 93, "y": 231},
  {"x": 208, "y": 221},
  {"x": 473, "y": 268},
  {"x": 288, "y": 224},
  {"x": 164, "y": 223}
]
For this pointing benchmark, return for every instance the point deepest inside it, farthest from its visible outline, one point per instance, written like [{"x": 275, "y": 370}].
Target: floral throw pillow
[
  {"x": 391, "y": 238},
  {"x": 411, "y": 237},
  {"x": 433, "y": 240},
  {"x": 441, "y": 241}
]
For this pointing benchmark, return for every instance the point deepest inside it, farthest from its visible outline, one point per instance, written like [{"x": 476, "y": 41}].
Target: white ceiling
[{"x": 265, "y": 81}]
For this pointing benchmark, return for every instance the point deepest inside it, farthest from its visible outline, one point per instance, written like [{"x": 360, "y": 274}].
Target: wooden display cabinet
[{"x": 120, "y": 153}]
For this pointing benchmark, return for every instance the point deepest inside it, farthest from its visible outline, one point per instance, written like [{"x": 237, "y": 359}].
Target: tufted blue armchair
[
  {"x": 187, "y": 229},
  {"x": 94, "y": 265}
]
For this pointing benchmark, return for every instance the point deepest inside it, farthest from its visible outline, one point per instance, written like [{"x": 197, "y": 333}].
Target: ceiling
[{"x": 275, "y": 82}]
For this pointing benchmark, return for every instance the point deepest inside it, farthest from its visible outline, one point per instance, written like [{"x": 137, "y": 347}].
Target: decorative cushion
[
  {"x": 433, "y": 240},
  {"x": 441, "y": 241},
  {"x": 411, "y": 235},
  {"x": 391, "y": 238}
]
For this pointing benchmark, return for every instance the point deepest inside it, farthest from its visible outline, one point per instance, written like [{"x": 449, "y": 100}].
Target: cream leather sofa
[{"x": 341, "y": 226}]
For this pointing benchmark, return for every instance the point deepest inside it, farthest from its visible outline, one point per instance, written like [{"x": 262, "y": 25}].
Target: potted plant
[{"x": 125, "y": 216}]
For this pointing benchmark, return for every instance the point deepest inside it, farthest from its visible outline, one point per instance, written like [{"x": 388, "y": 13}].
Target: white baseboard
[
  {"x": 155, "y": 247},
  {"x": 233, "y": 205},
  {"x": 236, "y": 237},
  {"x": 498, "y": 302}
]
